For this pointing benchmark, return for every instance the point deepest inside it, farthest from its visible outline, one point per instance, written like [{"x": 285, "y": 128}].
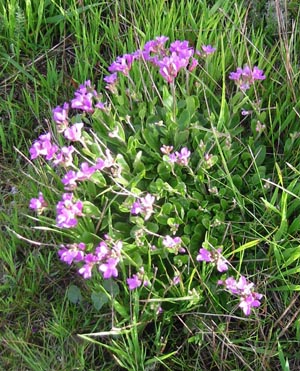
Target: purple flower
[
  {"x": 60, "y": 116},
  {"x": 84, "y": 97},
  {"x": 182, "y": 49},
  {"x": 213, "y": 257},
  {"x": 74, "y": 132},
  {"x": 67, "y": 210},
  {"x": 208, "y": 49},
  {"x": 43, "y": 147},
  {"x": 258, "y": 74},
  {"x": 111, "y": 79},
  {"x": 181, "y": 158},
  {"x": 245, "y": 290},
  {"x": 122, "y": 64},
  {"x": 64, "y": 157},
  {"x": 100, "y": 164},
  {"x": 170, "y": 66},
  {"x": 193, "y": 64},
  {"x": 133, "y": 282},
  {"x": 109, "y": 268},
  {"x": 204, "y": 255},
  {"x": 72, "y": 253},
  {"x": 102, "y": 251},
  {"x": 143, "y": 206},
  {"x": 85, "y": 171},
  {"x": 86, "y": 270},
  {"x": 171, "y": 242},
  {"x": 176, "y": 280},
  {"x": 69, "y": 180},
  {"x": 136, "y": 208},
  {"x": 245, "y": 77},
  {"x": 236, "y": 75},
  {"x": 154, "y": 50},
  {"x": 38, "y": 204}
]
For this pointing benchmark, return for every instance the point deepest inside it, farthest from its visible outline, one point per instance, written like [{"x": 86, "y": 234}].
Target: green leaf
[
  {"x": 151, "y": 138},
  {"x": 138, "y": 165},
  {"x": 164, "y": 170},
  {"x": 181, "y": 138},
  {"x": 246, "y": 246},
  {"x": 191, "y": 104},
  {"x": 271, "y": 207},
  {"x": 121, "y": 309},
  {"x": 90, "y": 209},
  {"x": 167, "y": 98},
  {"x": 99, "y": 299},
  {"x": 98, "y": 179},
  {"x": 184, "y": 120},
  {"x": 111, "y": 287},
  {"x": 294, "y": 227},
  {"x": 120, "y": 160},
  {"x": 152, "y": 227},
  {"x": 74, "y": 294}
]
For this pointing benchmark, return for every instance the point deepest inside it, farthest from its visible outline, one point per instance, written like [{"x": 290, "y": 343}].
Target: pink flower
[
  {"x": 247, "y": 302},
  {"x": 60, "y": 116},
  {"x": 143, "y": 206},
  {"x": 85, "y": 171},
  {"x": 69, "y": 180},
  {"x": 86, "y": 270},
  {"x": 38, "y": 204},
  {"x": 84, "y": 97},
  {"x": 245, "y": 290},
  {"x": 245, "y": 77},
  {"x": 109, "y": 268},
  {"x": 64, "y": 156},
  {"x": 71, "y": 253},
  {"x": 74, "y": 132},
  {"x": 133, "y": 282},
  {"x": 43, "y": 147},
  {"x": 170, "y": 66},
  {"x": 213, "y": 257},
  {"x": 208, "y": 49},
  {"x": 122, "y": 64},
  {"x": 67, "y": 210}
]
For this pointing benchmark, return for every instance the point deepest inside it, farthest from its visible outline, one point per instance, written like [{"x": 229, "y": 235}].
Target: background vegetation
[{"x": 47, "y": 49}]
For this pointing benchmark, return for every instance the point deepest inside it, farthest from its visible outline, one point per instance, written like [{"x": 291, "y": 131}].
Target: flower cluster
[
  {"x": 241, "y": 288},
  {"x": 245, "y": 291},
  {"x": 86, "y": 156},
  {"x": 43, "y": 147},
  {"x": 143, "y": 206},
  {"x": 67, "y": 210},
  {"x": 181, "y": 158},
  {"x": 106, "y": 257},
  {"x": 213, "y": 257},
  {"x": 137, "y": 280},
  {"x": 173, "y": 243},
  {"x": 38, "y": 204},
  {"x": 169, "y": 61},
  {"x": 245, "y": 77}
]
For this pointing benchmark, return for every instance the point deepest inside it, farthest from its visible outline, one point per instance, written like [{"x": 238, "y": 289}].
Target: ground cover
[{"x": 237, "y": 190}]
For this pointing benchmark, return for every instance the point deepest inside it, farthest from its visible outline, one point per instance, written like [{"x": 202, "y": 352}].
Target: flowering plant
[{"x": 144, "y": 182}]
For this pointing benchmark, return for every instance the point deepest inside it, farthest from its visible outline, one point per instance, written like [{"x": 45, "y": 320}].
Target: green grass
[{"x": 47, "y": 48}]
